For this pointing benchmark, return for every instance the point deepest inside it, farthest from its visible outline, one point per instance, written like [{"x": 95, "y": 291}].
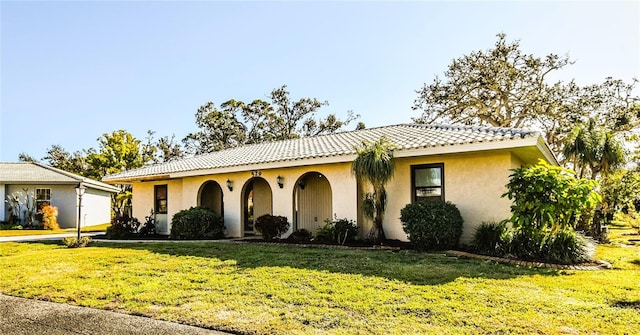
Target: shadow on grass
[
  {"x": 626, "y": 304},
  {"x": 407, "y": 266}
]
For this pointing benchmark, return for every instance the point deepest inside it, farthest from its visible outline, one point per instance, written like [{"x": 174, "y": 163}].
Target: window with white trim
[{"x": 43, "y": 197}]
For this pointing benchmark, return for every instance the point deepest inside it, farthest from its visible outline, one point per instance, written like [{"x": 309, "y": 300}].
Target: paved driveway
[{"x": 20, "y": 316}]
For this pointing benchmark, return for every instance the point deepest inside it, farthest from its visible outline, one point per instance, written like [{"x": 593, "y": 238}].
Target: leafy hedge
[
  {"x": 432, "y": 225},
  {"x": 196, "y": 223}
]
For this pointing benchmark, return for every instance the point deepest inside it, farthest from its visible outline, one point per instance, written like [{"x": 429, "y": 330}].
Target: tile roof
[
  {"x": 403, "y": 136},
  {"x": 36, "y": 173}
]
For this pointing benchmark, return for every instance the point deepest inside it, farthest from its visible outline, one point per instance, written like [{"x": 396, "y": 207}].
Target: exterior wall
[
  {"x": 3, "y": 197},
  {"x": 96, "y": 207},
  {"x": 143, "y": 200},
  {"x": 96, "y": 204},
  {"x": 183, "y": 193},
  {"x": 473, "y": 182}
]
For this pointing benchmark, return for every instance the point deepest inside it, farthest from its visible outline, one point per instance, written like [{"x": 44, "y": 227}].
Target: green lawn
[
  {"x": 27, "y": 232},
  {"x": 290, "y": 290}
]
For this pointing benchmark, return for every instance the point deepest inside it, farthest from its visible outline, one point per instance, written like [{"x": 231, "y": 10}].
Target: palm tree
[
  {"x": 601, "y": 152},
  {"x": 374, "y": 165},
  {"x": 594, "y": 148}
]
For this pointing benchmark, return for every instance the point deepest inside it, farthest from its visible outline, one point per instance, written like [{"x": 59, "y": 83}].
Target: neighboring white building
[
  {"x": 57, "y": 187},
  {"x": 309, "y": 179}
]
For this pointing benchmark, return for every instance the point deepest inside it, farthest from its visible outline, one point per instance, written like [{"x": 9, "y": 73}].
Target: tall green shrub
[
  {"x": 432, "y": 224},
  {"x": 196, "y": 223},
  {"x": 547, "y": 204},
  {"x": 548, "y": 197}
]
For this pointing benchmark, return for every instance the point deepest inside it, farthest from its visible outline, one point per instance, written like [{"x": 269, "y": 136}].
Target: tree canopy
[
  {"x": 506, "y": 87},
  {"x": 235, "y": 122}
]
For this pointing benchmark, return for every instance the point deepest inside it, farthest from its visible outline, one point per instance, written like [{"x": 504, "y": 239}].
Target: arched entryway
[
  {"x": 210, "y": 196},
  {"x": 312, "y": 201},
  {"x": 257, "y": 200}
]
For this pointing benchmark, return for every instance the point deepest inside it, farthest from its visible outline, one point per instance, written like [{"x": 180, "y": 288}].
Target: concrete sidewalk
[
  {"x": 20, "y": 316},
  {"x": 44, "y": 237}
]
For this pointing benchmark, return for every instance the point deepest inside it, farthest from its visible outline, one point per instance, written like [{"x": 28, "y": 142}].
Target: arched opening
[
  {"x": 210, "y": 196},
  {"x": 257, "y": 200},
  {"x": 312, "y": 199}
]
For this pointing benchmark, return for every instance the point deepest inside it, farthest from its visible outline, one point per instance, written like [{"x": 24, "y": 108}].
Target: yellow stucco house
[{"x": 309, "y": 179}]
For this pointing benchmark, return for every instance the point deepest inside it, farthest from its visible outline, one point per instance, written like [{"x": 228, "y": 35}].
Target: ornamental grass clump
[{"x": 491, "y": 238}]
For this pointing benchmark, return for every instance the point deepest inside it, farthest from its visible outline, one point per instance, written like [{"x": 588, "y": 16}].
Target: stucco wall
[
  {"x": 96, "y": 205},
  {"x": 473, "y": 182},
  {"x": 183, "y": 193},
  {"x": 3, "y": 197}
]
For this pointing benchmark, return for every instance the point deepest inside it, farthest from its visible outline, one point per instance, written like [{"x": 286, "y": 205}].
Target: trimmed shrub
[
  {"x": 300, "y": 236},
  {"x": 123, "y": 227},
  {"x": 491, "y": 239},
  {"x": 271, "y": 226},
  {"x": 196, "y": 223},
  {"x": 432, "y": 225}
]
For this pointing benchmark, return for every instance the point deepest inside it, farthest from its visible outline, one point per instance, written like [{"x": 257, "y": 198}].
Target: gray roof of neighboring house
[
  {"x": 36, "y": 173},
  {"x": 403, "y": 136}
]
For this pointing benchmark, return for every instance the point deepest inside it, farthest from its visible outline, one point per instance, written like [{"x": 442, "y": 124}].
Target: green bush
[
  {"x": 491, "y": 238},
  {"x": 344, "y": 230},
  {"x": 432, "y": 225},
  {"x": 73, "y": 242},
  {"x": 123, "y": 227},
  {"x": 325, "y": 233},
  {"x": 548, "y": 202},
  {"x": 149, "y": 225},
  {"x": 300, "y": 236},
  {"x": 196, "y": 223},
  {"x": 339, "y": 231},
  {"x": 549, "y": 197},
  {"x": 271, "y": 226}
]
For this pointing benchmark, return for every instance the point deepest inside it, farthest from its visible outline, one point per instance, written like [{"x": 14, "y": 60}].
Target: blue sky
[{"x": 71, "y": 71}]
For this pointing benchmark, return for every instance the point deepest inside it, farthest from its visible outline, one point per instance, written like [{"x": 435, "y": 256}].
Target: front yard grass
[{"x": 289, "y": 290}]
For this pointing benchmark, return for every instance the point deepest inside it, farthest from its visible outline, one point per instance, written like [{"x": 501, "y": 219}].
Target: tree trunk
[{"x": 377, "y": 231}]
